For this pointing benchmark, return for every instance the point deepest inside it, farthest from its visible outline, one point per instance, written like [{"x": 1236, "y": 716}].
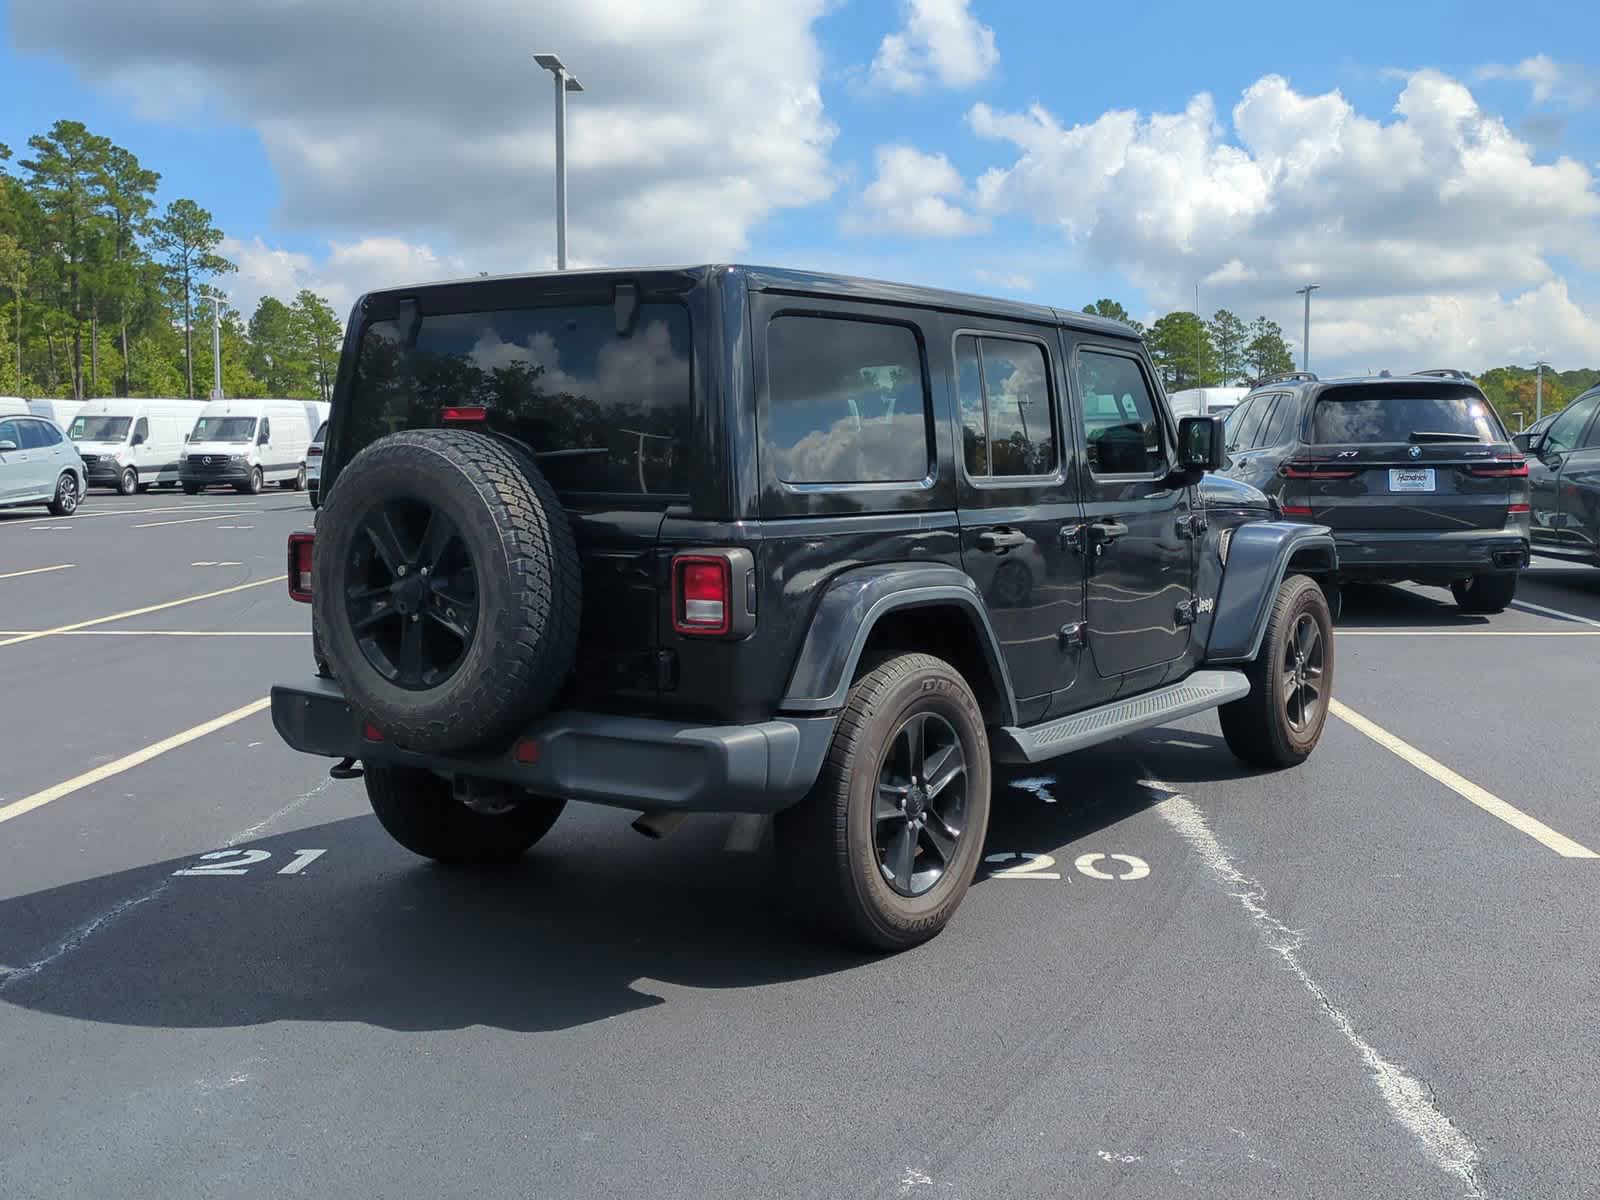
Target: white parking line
[
  {"x": 205, "y": 633},
  {"x": 1484, "y": 799},
  {"x": 128, "y": 761},
  {"x": 138, "y": 612},
  {"x": 189, "y": 520},
  {"x": 36, "y": 571},
  {"x": 1344, "y": 633},
  {"x": 1553, "y": 612}
]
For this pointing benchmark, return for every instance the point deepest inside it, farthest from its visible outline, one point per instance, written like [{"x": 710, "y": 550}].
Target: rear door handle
[
  {"x": 1000, "y": 540},
  {"x": 1107, "y": 531}
]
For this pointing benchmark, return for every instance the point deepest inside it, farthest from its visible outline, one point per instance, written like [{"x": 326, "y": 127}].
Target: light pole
[
  {"x": 1538, "y": 388},
  {"x": 216, "y": 347},
  {"x": 1305, "y": 337},
  {"x": 564, "y": 83}
]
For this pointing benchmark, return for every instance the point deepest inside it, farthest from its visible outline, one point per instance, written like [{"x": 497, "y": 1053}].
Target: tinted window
[
  {"x": 1121, "y": 429},
  {"x": 1567, "y": 428},
  {"x": 1232, "y": 422},
  {"x": 266, "y": 430},
  {"x": 32, "y": 435},
  {"x": 1250, "y": 425},
  {"x": 100, "y": 429},
  {"x": 10, "y": 433},
  {"x": 606, "y": 412},
  {"x": 1007, "y": 422},
  {"x": 1591, "y": 439},
  {"x": 142, "y": 429},
  {"x": 1276, "y": 427},
  {"x": 52, "y": 435},
  {"x": 1387, "y": 414},
  {"x": 848, "y": 404}
]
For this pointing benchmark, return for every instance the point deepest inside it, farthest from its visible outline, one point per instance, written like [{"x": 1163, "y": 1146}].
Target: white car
[{"x": 38, "y": 465}]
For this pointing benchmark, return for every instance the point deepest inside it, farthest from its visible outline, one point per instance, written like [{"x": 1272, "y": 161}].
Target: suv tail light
[
  {"x": 1500, "y": 468},
  {"x": 1302, "y": 469},
  {"x": 301, "y": 548},
  {"x": 702, "y": 594}
]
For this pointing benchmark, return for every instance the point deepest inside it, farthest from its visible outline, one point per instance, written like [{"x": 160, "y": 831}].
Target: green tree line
[
  {"x": 1221, "y": 352},
  {"x": 103, "y": 292}
]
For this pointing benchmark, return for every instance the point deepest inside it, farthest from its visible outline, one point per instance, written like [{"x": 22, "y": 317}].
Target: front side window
[
  {"x": 849, "y": 402},
  {"x": 1566, "y": 429},
  {"x": 266, "y": 430},
  {"x": 99, "y": 429},
  {"x": 606, "y": 412},
  {"x": 224, "y": 429},
  {"x": 142, "y": 430},
  {"x": 1007, "y": 419},
  {"x": 1122, "y": 430}
]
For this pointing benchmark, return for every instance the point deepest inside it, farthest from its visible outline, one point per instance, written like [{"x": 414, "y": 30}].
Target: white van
[
  {"x": 1199, "y": 402},
  {"x": 13, "y": 406},
  {"x": 59, "y": 411},
  {"x": 129, "y": 443},
  {"x": 248, "y": 444}
]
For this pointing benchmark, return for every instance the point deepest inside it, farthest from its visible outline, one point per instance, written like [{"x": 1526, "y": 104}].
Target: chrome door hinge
[
  {"x": 1073, "y": 636},
  {"x": 1185, "y": 613}
]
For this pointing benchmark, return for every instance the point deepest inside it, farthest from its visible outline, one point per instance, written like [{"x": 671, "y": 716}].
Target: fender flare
[
  {"x": 1258, "y": 559},
  {"x": 855, "y": 601}
]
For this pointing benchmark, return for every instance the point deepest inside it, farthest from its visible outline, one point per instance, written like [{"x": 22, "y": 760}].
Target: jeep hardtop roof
[{"x": 772, "y": 279}]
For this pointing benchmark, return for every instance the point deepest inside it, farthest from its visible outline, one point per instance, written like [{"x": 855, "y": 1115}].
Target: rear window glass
[
  {"x": 1390, "y": 415},
  {"x": 848, "y": 401},
  {"x": 605, "y": 412}
]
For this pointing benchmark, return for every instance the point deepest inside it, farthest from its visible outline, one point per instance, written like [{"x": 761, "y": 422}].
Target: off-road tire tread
[
  {"x": 532, "y": 641},
  {"x": 1256, "y": 728},
  {"x": 416, "y": 809}
]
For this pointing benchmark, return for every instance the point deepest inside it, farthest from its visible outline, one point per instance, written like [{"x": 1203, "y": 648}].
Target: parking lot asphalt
[{"x": 1374, "y": 975}]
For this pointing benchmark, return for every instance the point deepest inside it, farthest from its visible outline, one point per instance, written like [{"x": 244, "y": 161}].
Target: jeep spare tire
[{"x": 447, "y": 588}]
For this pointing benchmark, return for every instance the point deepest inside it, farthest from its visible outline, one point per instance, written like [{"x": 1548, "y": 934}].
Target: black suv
[
  {"x": 756, "y": 541},
  {"x": 1564, "y": 476},
  {"x": 1414, "y": 474}
]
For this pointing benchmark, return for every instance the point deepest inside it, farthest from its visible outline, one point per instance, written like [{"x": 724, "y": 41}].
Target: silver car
[
  {"x": 38, "y": 465},
  {"x": 314, "y": 465}
]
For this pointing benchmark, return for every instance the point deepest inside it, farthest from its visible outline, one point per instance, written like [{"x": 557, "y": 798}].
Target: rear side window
[
  {"x": 1277, "y": 425},
  {"x": 10, "y": 433},
  {"x": 33, "y": 437},
  {"x": 848, "y": 401},
  {"x": 1121, "y": 429},
  {"x": 1007, "y": 418},
  {"x": 1388, "y": 414},
  {"x": 605, "y": 412}
]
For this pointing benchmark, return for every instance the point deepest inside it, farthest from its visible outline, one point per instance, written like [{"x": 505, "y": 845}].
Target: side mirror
[
  {"x": 1200, "y": 444},
  {"x": 138, "y": 440},
  {"x": 261, "y": 439},
  {"x": 7, "y": 445}
]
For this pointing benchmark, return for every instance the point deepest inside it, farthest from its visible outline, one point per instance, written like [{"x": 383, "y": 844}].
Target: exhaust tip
[{"x": 656, "y": 825}]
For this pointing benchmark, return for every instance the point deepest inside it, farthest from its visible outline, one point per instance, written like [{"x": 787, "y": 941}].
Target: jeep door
[
  {"x": 1139, "y": 545},
  {"x": 1018, "y": 503}
]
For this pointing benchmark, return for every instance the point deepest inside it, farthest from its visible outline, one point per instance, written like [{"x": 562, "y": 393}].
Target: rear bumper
[
  {"x": 626, "y": 762},
  {"x": 1442, "y": 556}
]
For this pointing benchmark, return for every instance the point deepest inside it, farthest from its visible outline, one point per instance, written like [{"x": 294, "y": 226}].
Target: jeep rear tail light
[
  {"x": 1514, "y": 509},
  {"x": 1500, "y": 468},
  {"x": 702, "y": 594},
  {"x": 1314, "y": 470},
  {"x": 464, "y": 415},
  {"x": 301, "y": 550}
]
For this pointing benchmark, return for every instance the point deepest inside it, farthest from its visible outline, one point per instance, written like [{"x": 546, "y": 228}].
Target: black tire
[
  {"x": 1485, "y": 593},
  {"x": 829, "y": 842},
  {"x": 128, "y": 482},
  {"x": 193, "y": 489},
  {"x": 298, "y": 483},
  {"x": 417, "y": 809},
  {"x": 1262, "y": 728},
  {"x": 253, "y": 486},
  {"x": 1334, "y": 594},
  {"x": 512, "y": 552},
  {"x": 68, "y": 495}
]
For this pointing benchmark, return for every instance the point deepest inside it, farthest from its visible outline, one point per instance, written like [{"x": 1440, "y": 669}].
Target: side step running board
[{"x": 1201, "y": 691}]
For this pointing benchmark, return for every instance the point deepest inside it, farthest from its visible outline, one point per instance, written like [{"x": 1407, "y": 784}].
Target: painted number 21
[{"x": 237, "y": 862}]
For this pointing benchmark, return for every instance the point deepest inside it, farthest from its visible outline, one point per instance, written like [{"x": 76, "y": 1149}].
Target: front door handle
[
  {"x": 1106, "y": 532},
  {"x": 1001, "y": 540}
]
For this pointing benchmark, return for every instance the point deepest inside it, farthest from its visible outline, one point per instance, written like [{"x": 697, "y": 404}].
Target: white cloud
[
  {"x": 1571, "y": 85},
  {"x": 432, "y": 124},
  {"x": 1435, "y": 231},
  {"x": 941, "y": 42},
  {"x": 912, "y": 194},
  {"x": 1015, "y": 282},
  {"x": 340, "y": 275}
]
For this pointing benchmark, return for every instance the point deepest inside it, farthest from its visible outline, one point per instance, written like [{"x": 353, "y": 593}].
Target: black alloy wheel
[
  {"x": 920, "y": 807},
  {"x": 1302, "y": 673},
  {"x": 411, "y": 593}
]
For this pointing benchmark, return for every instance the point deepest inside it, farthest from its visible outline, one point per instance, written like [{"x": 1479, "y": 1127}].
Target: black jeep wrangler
[{"x": 727, "y": 539}]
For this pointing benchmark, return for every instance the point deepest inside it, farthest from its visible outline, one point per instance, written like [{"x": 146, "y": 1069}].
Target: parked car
[
  {"x": 1415, "y": 475},
  {"x": 248, "y": 444},
  {"x": 132, "y": 444},
  {"x": 1564, "y": 473},
  {"x": 314, "y": 463},
  {"x": 38, "y": 465},
  {"x": 60, "y": 412},
  {"x": 1522, "y": 441},
  {"x": 767, "y": 584}
]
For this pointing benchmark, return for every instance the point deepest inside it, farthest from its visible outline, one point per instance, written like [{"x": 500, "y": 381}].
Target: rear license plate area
[{"x": 1411, "y": 479}]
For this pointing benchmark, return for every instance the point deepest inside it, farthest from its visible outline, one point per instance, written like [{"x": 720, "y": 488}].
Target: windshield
[
  {"x": 1389, "y": 415},
  {"x": 224, "y": 429},
  {"x": 605, "y": 412},
  {"x": 99, "y": 429}
]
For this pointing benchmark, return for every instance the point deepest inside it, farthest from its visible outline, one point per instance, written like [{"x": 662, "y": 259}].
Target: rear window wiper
[{"x": 1430, "y": 435}]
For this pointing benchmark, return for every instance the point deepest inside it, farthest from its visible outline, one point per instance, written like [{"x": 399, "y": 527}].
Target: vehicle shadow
[
  {"x": 1382, "y": 606},
  {"x": 1574, "y": 589},
  {"x": 584, "y": 928}
]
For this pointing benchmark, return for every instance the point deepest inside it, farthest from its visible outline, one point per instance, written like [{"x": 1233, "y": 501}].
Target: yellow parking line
[
  {"x": 128, "y": 761},
  {"x": 1486, "y": 800},
  {"x": 36, "y": 571},
  {"x": 138, "y": 612}
]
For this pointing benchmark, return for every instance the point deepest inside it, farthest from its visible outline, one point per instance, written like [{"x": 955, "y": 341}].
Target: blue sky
[{"x": 353, "y": 157}]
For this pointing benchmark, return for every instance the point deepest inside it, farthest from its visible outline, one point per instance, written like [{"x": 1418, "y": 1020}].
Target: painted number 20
[{"x": 237, "y": 862}]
